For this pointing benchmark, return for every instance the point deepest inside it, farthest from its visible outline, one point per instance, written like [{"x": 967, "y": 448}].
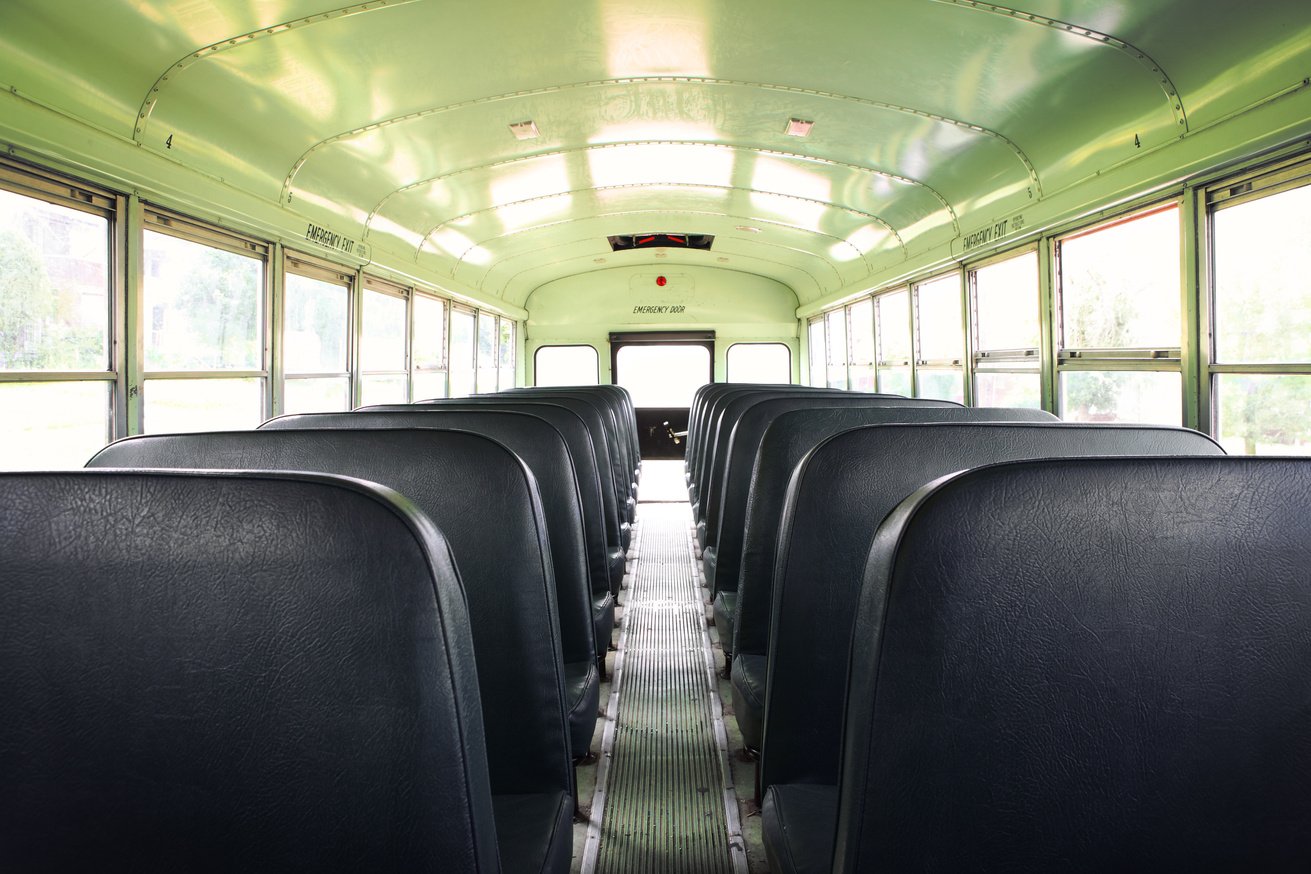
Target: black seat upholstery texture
[
  {"x": 542, "y": 449},
  {"x": 838, "y": 496},
  {"x": 485, "y": 502},
  {"x": 785, "y": 443},
  {"x": 234, "y": 672},
  {"x": 1135, "y": 700}
]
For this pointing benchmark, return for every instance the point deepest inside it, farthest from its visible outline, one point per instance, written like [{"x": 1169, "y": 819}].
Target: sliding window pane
[
  {"x": 565, "y": 365},
  {"x": 316, "y": 326},
  {"x": 1263, "y": 414},
  {"x": 1263, "y": 280},
  {"x": 53, "y": 425},
  {"x": 203, "y": 306},
  {"x": 54, "y": 287},
  {"x": 1120, "y": 285},
  {"x": 463, "y": 340},
  {"x": 1121, "y": 396},
  {"x": 429, "y": 333},
  {"x": 316, "y": 395},
  {"x": 894, "y": 326},
  {"x": 429, "y": 384},
  {"x": 1007, "y": 390},
  {"x": 895, "y": 381},
  {"x": 944, "y": 385},
  {"x": 383, "y": 389},
  {"x": 178, "y": 405},
  {"x": 835, "y": 329},
  {"x": 860, "y": 352},
  {"x": 382, "y": 338},
  {"x": 818, "y": 355},
  {"x": 941, "y": 335},
  {"x": 1006, "y": 301}
]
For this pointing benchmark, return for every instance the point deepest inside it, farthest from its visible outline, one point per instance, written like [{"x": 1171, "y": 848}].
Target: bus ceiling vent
[{"x": 653, "y": 240}]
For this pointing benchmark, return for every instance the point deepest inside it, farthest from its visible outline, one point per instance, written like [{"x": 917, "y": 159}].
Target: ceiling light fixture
[
  {"x": 747, "y": 229},
  {"x": 525, "y": 130},
  {"x": 798, "y": 127}
]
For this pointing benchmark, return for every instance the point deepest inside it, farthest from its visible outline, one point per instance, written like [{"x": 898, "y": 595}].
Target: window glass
[
  {"x": 1263, "y": 414},
  {"x": 945, "y": 385},
  {"x": 1007, "y": 389},
  {"x": 316, "y": 326},
  {"x": 894, "y": 327},
  {"x": 506, "y": 374},
  {"x": 565, "y": 365},
  {"x": 835, "y": 329},
  {"x": 941, "y": 336},
  {"x": 178, "y": 405},
  {"x": 663, "y": 375},
  {"x": 894, "y": 381},
  {"x": 818, "y": 355},
  {"x": 382, "y": 334},
  {"x": 316, "y": 395},
  {"x": 429, "y": 384},
  {"x": 462, "y": 353},
  {"x": 377, "y": 389},
  {"x": 487, "y": 340},
  {"x": 1120, "y": 285},
  {"x": 429, "y": 333},
  {"x": 1263, "y": 279},
  {"x": 769, "y": 363},
  {"x": 54, "y": 287},
  {"x": 1121, "y": 396},
  {"x": 860, "y": 350},
  {"x": 53, "y": 425},
  {"x": 1006, "y": 303},
  {"x": 202, "y": 306}
]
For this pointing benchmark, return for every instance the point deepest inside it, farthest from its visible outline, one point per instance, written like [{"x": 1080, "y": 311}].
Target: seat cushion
[
  {"x": 750, "y": 673},
  {"x": 603, "y": 622},
  {"x": 725, "y": 607},
  {"x": 799, "y": 822},
  {"x": 533, "y": 832},
  {"x": 709, "y": 563},
  {"x": 582, "y": 697},
  {"x": 618, "y": 564}
]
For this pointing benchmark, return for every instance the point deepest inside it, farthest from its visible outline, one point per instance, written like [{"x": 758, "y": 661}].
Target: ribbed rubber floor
[{"x": 665, "y": 804}]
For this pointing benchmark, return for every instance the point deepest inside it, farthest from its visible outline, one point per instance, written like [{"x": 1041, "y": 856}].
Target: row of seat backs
[
  {"x": 1085, "y": 665},
  {"x": 742, "y": 425},
  {"x": 486, "y": 503},
  {"x": 234, "y": 671}
]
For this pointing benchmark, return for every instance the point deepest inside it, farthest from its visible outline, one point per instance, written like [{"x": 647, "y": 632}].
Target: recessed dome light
[{"x": 747, "y": 229}]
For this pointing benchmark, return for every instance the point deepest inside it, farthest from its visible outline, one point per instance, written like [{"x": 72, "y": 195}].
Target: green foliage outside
[{"x": 40, "y": 326}]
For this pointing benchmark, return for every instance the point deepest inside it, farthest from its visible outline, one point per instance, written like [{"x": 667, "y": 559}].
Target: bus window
[
  {"x": 1261, "y": 387},
  {"x": 505, "y": 360},
  {"x": 488, "y": 340},
  {"x": 204, "y": 334},
  {"x": 835, "y": 344},
  {"x": 1006, "y": 329},
  {"x": 818, "y": 355},
  {"x": 383, "y": 375},
  {"x": 428, "y": 358},
  {"x": 759, "y": 362},
  {"x": 941, "y": 339},
  {"x": 54, "y": 316},
  {"x": 893, "y": 321},
  {"x": 316, "y": 324},
  {"x": 463, "y": 349},
  {"x": 565, "y": 365},
  {"x": 1119, "y": 293},
  {"x": 860, "y": 346}
]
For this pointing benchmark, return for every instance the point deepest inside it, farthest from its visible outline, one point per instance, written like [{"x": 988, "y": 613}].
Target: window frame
[
  {"x": 595, "y": 353},
  {"x": 1022, "y": 361},
  {"x": 310, "y": 267},
  {"x": 728, "y": 371},
  {"x": 377, "y": 285}
]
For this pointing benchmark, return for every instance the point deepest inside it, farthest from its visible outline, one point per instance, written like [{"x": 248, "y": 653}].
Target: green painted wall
[{"x": 585, "y": 308}]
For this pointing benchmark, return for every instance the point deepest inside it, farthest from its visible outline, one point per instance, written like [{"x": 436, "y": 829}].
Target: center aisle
[{"x": 664, "y": 799}]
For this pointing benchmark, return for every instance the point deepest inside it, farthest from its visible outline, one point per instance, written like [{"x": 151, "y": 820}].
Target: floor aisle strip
[{"x": 664, "y": 799}]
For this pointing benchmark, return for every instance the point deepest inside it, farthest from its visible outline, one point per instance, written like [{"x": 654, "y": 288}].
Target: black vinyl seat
[
  {"x": 785, "y": 443},
  {"x": 543, "y": 450},
  {"x": 609, "y": 464},
  {"x": 838, "y": 496},
  {"x": 485, "y": 501},
  {"x": 1136, "y": 699},
  {"x": 733, "y": 458},
  {"x": 220, "y": 671}
]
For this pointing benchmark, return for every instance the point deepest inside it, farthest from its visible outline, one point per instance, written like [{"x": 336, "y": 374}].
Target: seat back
[
  {"x": 838, "y": 496},
  {"x": 1085, "y": 665},
  {"x": 485, "y": 501},
  {"x": 218, "y": 671}
]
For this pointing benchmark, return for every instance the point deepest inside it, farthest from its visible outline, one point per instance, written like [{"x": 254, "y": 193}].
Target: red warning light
[{"x": 660, "y": 280}]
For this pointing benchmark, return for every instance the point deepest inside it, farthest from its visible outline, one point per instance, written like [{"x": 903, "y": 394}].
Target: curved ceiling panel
[{"x": 391, "y": 118}]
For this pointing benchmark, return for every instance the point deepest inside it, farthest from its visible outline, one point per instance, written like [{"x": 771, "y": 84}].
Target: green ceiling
[{"x": 389, "y": 120}]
